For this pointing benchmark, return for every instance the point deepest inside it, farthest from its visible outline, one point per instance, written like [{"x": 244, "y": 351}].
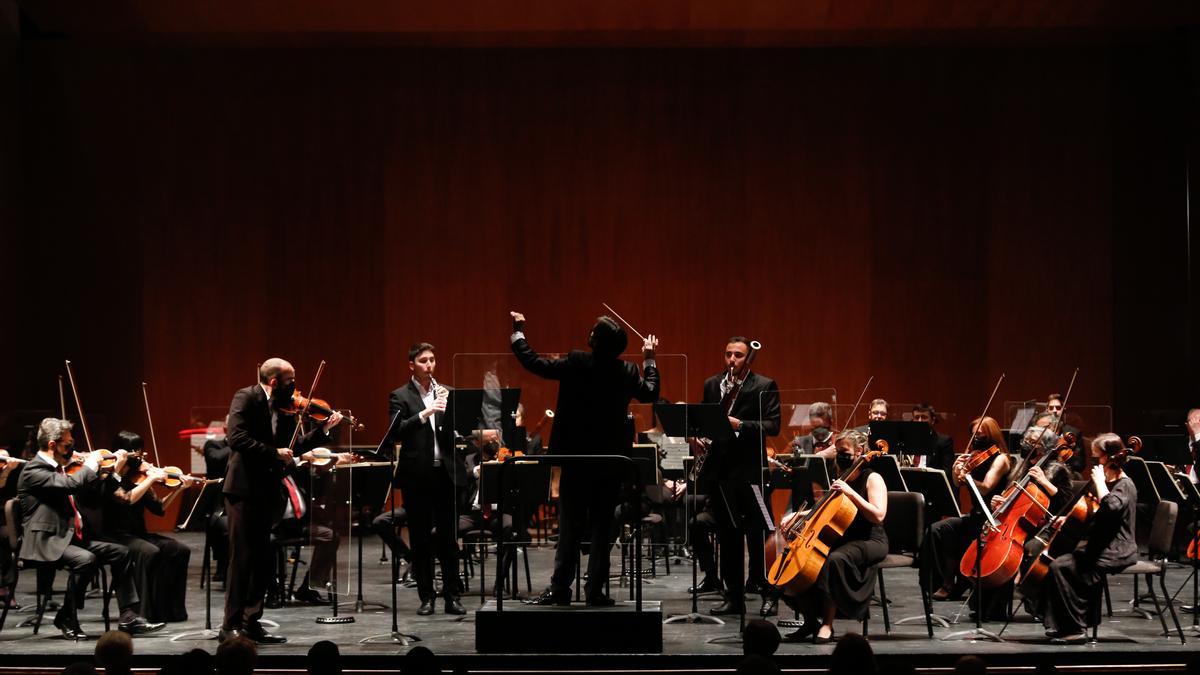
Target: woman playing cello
[{"x": 847, "y": 579}]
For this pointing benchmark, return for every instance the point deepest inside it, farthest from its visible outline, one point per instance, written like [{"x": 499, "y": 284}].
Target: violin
[
  {"x": 810, "y": 537},
  {"x": 1024, "y": 510},
  {"x": 324, "y": 457},
  {"x": 107, "y": 461},
  {"x": 174, "y": 476},
  {"x": 963, "y": 466},
  {"x": 317, "y": 410}
]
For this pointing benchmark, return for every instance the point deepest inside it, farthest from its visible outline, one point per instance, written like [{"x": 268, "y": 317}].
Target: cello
[
  {"x": 1060, "y": 536},
  {"x": 811, "y": 536}
]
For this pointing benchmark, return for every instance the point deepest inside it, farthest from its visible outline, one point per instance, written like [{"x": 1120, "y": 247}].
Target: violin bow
[
  {"x": 150, "y": 421},
  {"x": 312, "y": 391},
  {"x": 861, "y": 394},
  {"x": 62, "y": 399},
  {"x": 87, "y": 437},
  {"x": 1062, "y": 414},
  {"x": 986, "y": 407}
]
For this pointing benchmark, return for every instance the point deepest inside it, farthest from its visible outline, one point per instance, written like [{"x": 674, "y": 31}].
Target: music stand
[
  {"x": 359, "y": 492},
  {"x": 1172, "y": 449},
  {"x": 1168, "y": 489},
  {"x": 462, "y": 400},
  {"x": 888, "y": 467},
  {"x": 1139, "y": 473},
  {"x": 904, "y": 438},
  {"x": 990, "y": 526},
  {"x": 934, "y": 486},
  {"x": 527, "y": 487},
  {"x": 205, "y": 568},
  {"x": 702, "y": 420}
]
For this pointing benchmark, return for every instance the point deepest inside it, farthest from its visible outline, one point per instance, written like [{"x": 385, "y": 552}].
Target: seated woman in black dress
[
  {"x": 1070, "y": 601},
  {"x": 844, "y": 586}
]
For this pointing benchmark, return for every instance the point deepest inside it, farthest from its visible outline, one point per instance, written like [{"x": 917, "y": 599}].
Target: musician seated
[
  {"x": 1070, "y": 600},
  {"x": 846, "y": 581},
  {"x": 308, "y": 520},
  {"x": 949, "y": 537},
  {"x": 818, "y": 440},
  {"x": 476, "y": 517},
  {"x": 942, "y": 456}
]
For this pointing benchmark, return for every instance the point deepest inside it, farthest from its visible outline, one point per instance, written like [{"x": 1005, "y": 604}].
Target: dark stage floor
[{"x": 1124, "y": 638}]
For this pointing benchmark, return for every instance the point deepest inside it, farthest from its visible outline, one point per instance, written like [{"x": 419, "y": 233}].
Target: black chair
[
  {"x": 287, "y": 553},
  {"x": 905, "y": 527},
  {"x": 1155, "y": 565}
]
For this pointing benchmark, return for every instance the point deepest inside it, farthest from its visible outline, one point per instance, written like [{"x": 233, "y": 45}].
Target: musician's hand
[
  {"x": 735, "y": 423},
  {"x": 518, "y": 321},
  {"x": 649, "y": 346},
  {"x": 347, "y": 457},
  {"x": 283, "y": 453},
  {"x": 189, "y": 480},
  {"x": 156, "y": 474},
  {"x": 1098, "y": 474},
  {"x": 839, "y": 485},
  {"x": 997, "y": 500},
  {"x": 334, "y": 420},
  {"x": 1059, "y": 520},
  {"x": 1037, "y": 474}
]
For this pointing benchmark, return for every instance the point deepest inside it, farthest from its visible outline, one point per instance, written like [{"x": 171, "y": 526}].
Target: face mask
[
  {"x": 981, "y": 443},
  {"x": 821, "y": 434},
  {"x": 282, "y": 394},
  {"x": 1027, "y": 447},
  {"x": 844, "y": 461}
]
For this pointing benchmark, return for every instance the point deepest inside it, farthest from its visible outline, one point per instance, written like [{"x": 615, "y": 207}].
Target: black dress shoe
[
  {"x": 803, "y": 633},
  {"x": 707, "y": 585},
  {"x": 726, "y": 608},
  {"x": 770, "y": 607},
  {"x": 453, "y": 606},
  {"x": 309, "y": 596},
  {"x": 600, "y": 601},
  {"x": 818, "y": 640},
  {"x": 426, "y": 608},
  {"x": 139, "y": 626},
  {"x": 549, "y": 597},
  {"x": 69, "y": 632},
  {"x": 226, "y": 634},
  {"x": 262, "y": 637}
]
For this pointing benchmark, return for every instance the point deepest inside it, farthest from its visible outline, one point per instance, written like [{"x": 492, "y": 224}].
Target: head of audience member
[
  {"x": 607, "y": 339},
  {"x": 114, "y": 652},
  {"x": 194, "y": 662},
  {"x": 852, "y": 656},
  {"x": 79, "y": 668},
  {"x": 236, "y": 656},
  {"x": 419, "y": 660},
  {"x": 878, "y": 412},
  {"x": 757, "y": 664},
  {"x": 324, "y": 659},
  {"x": 760, "y": 637},
  {"x": 970, "y": 665}
]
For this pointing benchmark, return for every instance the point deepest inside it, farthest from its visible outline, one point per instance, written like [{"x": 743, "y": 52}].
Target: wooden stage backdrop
[{"x": 930, "y": 216}]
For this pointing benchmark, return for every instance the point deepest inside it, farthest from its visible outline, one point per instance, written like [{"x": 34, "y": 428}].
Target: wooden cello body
[
  {"x": 1055, "y": 540},
  {"x": 808, "y": 538}
]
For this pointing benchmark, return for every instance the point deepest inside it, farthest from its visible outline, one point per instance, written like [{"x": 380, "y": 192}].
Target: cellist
[
  {"x": 1070, "y": 600},
  {"x": 847, "y": 579},
  {"x": 948, "y": 538}
]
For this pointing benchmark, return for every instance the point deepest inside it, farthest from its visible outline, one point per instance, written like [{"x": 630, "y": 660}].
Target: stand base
[
  {"x": 569, "y": 630},
  {"x": 935, "y": 618},
  {"x": 395, "y": 638},
  {"x": 335, "y": 619},
  {"x": 974, "y": 634},
  {"x": 694, "y": 617},
  {"x": 361, "y": 606}
]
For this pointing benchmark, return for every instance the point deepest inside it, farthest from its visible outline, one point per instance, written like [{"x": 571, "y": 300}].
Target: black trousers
[
  {"x": 80, "y": 560},
  {"x": 735, "y": 509},
  {"x": 387, "y": 525},
  {"x": 218, "y": 539},
  {"x": 700, "y": 527},
  {"x": 160, "y": 566},
  {"x": 251, "y": 561},
  {"x": 586, "y": 506},
  {"x": 324, "y": 541},
  {"x": 433, "y": 532}
]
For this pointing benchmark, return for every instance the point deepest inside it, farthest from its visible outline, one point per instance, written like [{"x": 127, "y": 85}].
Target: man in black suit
[
  {"x": 54, "y": 530},
  {"x": 590, "y": 419},
  {"x": 1079, "y": 462},
  {"x": 942, "y": 456},
  {"x": 432, "y": 477},
  {"x": 259, "y": 436},
  {"x": 734, "y": 465}
]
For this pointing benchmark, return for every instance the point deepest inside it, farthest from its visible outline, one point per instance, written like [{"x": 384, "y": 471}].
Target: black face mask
[
  {"x": 844, "y": 461},
  {"x": 281, "y": 395},
  {"x": 981, "y": 443},
  {"x": 821, "y": 434}
]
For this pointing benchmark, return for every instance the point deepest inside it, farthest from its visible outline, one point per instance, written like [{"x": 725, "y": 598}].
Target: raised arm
[{"x": 551, "y": 369}]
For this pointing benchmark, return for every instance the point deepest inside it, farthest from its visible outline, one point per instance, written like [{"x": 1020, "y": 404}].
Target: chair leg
[
  {"x": 1157, "y": 607},
  {"x": 105, "y": 596},
  {"x": 928, "y": 603},
  {"x": 12, "y": 590},
  {"x": 528, "y": 579},
  {"x": 1107, "y": 597},
  {"x": 883, "y": 602},
  {"x": 1162, "y": 584}
]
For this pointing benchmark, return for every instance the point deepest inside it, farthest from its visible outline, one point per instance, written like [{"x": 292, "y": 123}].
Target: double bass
[{"x": 811, "y": 536}]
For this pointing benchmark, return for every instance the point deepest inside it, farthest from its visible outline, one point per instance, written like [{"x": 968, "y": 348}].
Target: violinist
[
  {"x": 160, "y": 563},
  {"x": 847, "y": 580},
  {"x": 942, "y": 456},
  {"x": 260, "y": 435},
  {"x": 949, "y": 537},
  {"x": 819, "y": 440},
  {"x": 878, "y": 412},
  {"x": 8, "y": 489},
  {"x": 1054, "y": 406},
  {"x": 1070, "y": 600},
  {"x": 55, "y": 533},
  {"x": 733, "y": 466}
]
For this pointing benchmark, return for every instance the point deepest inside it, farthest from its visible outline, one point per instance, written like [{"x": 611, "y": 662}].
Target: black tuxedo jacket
[
  {"x": 757, "y": 406},
  {"x": 255, "y": 469},
  {"x": 415, "y": 461},
  {"x": 47, "y": 516},
  {"x": 593, "y": 399}
]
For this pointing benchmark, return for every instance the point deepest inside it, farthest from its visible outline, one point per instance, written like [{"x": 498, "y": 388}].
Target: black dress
[
  {"x": 160, "y": 563},
  {"x": 1070, "y": 600},
  {"x": 848, "y": 577}
]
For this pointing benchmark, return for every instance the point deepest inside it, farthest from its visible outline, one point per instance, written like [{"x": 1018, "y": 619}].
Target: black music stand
[
  {"x": 205, "y": 566},
  {"x": 461, "y": 401},
  {"x": 360, "y": 493},
  {"x": 1170, "y": 449},
  {"x": 702, "y": 420},
  {"x": 1192, "y": 494},
  {"x": 904, "y": 438},
  {"x": 934, "y": 486},
  {"x": 888, "y": 468},
  {"x": 527, "y": 486},
  {"x": 1139, "y": 473}
]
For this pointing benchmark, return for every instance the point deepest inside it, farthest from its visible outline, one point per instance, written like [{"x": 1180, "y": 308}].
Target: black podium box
[{"x": 576, "y": 629}]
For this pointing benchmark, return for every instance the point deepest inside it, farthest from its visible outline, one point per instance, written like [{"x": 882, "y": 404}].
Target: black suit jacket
[
  {"x": 255, "y": 469},
  {"x": 593, "y": 399},
  {"x": 47, "y": 516},
  {"x": 415, "y": 436},
  {"x": 757, "y": 406},
  {"x": 943, "y": 453}
]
